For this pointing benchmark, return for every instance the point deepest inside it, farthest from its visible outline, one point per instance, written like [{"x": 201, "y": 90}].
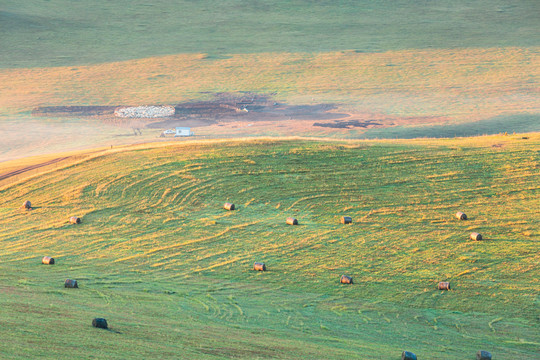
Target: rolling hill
[{"x": 171, "y": 270}]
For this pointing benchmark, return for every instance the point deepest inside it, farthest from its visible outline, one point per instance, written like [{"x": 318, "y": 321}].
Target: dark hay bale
[
  {"x": 345, "y": 279},
  {"x": 47, "y": 260},
  {"x": 71, "y": 283},
  {"x": 407, "y": 355},
  {"x": 229, "y": 206},
  {"x": 346, "y": 220},
  {"x": 476, "y": 236},
  {"x": 75, "y": 220},
  {"x": 292, "y": 221},
  {"x": 483, "y": 355},
  {"x": 461, "y": 215},
  {"x": 525, "y": 137},
  {"x": 259, "y": 266},
  {"x": 27, "y": 205},
  {"x": 444, "y": 285},
  {"x": 100, "y": 323}
]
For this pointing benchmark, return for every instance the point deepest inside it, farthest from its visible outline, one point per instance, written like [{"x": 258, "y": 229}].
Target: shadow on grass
[{"x": 521, "y": 123}]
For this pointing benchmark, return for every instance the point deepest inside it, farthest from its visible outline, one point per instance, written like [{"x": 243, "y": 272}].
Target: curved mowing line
[
  {"x": 198, "y": 188},
  {"x": 189, "y": 242},
  {"x": 233, "y": 260},
  {"x": 183, "y": 187},
  {"x": 138, "y": 182}
]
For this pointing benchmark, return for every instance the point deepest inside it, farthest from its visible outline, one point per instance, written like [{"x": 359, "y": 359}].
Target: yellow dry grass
[{"x": 442, "y": 83}]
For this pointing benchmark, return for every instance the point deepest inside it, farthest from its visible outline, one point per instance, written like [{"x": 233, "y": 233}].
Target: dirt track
[{"x": 31, "y": 167}]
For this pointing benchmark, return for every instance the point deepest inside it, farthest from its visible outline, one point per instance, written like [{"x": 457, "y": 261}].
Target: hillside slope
[
  {"x": 170, "y": 269},
  {"x": 60, "y": 32}
]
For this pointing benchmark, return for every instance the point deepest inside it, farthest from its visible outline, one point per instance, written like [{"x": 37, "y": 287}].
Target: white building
[{"x": 183, "y": 131}]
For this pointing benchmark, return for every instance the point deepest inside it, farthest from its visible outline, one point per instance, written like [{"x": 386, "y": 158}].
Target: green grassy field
[
  {"x": 433, "y": 68},
  {"x": 171, "y": 270},
  {"x": 62, "y": 32}
]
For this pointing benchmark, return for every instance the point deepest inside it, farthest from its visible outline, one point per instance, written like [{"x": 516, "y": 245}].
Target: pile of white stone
[{"x": 144, "y": 111}]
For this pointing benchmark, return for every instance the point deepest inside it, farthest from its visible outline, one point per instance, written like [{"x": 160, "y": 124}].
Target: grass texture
[
  {"x": 63, "y": 32},
  {"x": 170, "y": 270}
]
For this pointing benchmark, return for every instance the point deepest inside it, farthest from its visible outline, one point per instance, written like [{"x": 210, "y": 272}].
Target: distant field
[
  {"x": 171, "y": 270},
  {"x": 433, "y": 68},
  {"x": 409, "y": 93},
  {"x": 60, "y": 32}
]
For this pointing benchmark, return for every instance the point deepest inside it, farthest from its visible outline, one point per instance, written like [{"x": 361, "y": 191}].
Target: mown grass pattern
[{"x": 171, "y": 270}]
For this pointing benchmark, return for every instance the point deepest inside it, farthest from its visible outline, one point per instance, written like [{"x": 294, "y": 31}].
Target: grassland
[
  {"x": 433, "y": 93},
  {"x": 60, "y": 32},
  {"x": 171, "y": 270},
  {"x": 418, "y": 68}
]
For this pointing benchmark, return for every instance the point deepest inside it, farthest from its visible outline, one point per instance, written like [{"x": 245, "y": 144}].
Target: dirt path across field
[{"x": 31, "y": 167}]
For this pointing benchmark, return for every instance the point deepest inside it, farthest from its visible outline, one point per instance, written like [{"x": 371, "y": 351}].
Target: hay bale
[
  {"x": 229, "y": 206},
  {"x": 346, "y": 220},
  {"x": 47, "y": 260},
  {"x": 444, "y": 285},
  {"x": 476, "y": 236},
  {"x": 259, "y": 266},
  {"x": 292, "y": 221},
  {"x": 27, "y": 205},
  {"x": 483, "y": 355},
  {"x": 75, "y": 220},
  {"x": 71, "y": 284},
  {"x": 461, "y": 215},
  {"x": 100, "y": 323},
  {"x": 407, "y": 355},
  {"x": 345, "y": 279}
]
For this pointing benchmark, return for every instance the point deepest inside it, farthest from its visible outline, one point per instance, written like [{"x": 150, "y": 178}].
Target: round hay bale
[
  {"x": 71, "y": 284},
  {"x": 27, "y": 205},
  {"x": 483, "y": 355},
  {"x": 259, "y": 266},
  {"x": 47, "y": 260},
  {"x": 75, "y": 220},
  {"x": 407, "y": 355},
  {"x": 292, "y": 221},
  {"x": 100, "y": 323},
  {"x": 345, "y": 279},
  {"x": 444, "y": 285},
  {"x": 346, "y": 220},
  {"x": 476, "y": 236},
  {"x": 228, "y": 206},
  {"x": 461, "y": 215}
]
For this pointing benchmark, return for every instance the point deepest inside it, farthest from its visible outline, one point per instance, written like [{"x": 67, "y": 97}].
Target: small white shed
[{"x": 183, "y": 131}]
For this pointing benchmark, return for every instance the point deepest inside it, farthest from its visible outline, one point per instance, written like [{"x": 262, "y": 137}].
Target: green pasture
[
  {"x": 518, "y": 123},
  {"x": 37, "y": 33},
  {"x": 170, "y": 269}
]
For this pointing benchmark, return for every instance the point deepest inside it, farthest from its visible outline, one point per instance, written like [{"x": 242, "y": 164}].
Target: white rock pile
[{"x": 144, "y": 111}]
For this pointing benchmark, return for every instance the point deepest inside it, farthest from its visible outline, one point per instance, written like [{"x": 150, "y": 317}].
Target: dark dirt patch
[
  {"x": 348, "y": 124},
  {"x": 223, "y": 108},
  {"x": 73, "y": 110},
  {"x": 245, "y": 107}
]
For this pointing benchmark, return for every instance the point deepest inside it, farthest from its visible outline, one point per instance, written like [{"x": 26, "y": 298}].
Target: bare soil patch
[
  {"x": 73, "y": 110},
  {"x": 224, "y": 108}
]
